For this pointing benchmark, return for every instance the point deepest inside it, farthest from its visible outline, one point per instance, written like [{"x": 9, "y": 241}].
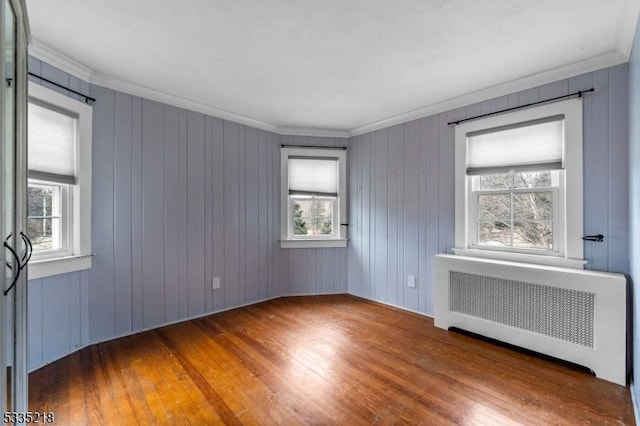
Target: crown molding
[
  {"x": 625, "y": 35},
  {"x": 192, "y": 105},
  {"x": 58, "y": 60},
  {"x": 592, "y": 64},
  {"x": 177, "y": 101},
  {"x": 313, "y": 131}
]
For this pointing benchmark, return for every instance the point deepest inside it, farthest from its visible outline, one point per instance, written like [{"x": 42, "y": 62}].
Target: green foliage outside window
[{"x": 300, "y": 226}]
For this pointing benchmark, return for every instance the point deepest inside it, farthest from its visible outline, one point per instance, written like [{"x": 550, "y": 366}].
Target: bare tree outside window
[
  {"x": 515, "y": 209},
  {"x": 42, "y": 218}
]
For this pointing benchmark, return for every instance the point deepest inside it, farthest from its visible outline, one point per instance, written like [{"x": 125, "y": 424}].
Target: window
[
  {"x": 313, "y": 205},
  {"x": 519, "y": 185},
  {"x": 59, "y": 188}
]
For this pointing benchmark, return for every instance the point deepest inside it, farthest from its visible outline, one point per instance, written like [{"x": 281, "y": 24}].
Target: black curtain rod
[
  {"x": 578, "y": 94},
  {"x": 344, "y": 148},
  {"x": 86, "y": 98}
]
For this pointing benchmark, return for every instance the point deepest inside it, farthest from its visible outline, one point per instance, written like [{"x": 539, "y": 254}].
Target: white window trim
[
  {"x": 285, "y": 229},
  {"x": 79, "y": 257},
  {"x": 571, "y": 253}
]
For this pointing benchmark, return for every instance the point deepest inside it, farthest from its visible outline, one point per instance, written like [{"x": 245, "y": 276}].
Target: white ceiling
[{"x": 329, "y": 66}]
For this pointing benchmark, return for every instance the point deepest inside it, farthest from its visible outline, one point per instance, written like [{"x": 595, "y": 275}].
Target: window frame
[
  {"x": 570, "y": 189},
  {"x": 77, "y": 255},
  {"x": 287, "y": 237},
  {"x": 66, "y": 224}
]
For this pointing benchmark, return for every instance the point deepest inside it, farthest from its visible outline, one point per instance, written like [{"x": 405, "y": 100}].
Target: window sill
[
  {"x": 313, "y": 243},
  {"x": 562, "y": 262},
  {"x": 59, "y": 265}
]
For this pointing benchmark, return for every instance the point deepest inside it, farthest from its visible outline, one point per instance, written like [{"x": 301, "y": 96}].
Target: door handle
[
  {"x": 28, "y": 250},
  {"x": 21, "y": 263},
  {"x": 18, "y": 263}
]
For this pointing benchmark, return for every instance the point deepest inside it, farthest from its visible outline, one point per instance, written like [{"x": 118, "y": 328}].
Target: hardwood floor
[{"x": 318, "y": 360}]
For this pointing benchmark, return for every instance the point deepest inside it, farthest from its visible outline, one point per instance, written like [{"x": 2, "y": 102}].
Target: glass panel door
[{"x": 7, "y": 187}]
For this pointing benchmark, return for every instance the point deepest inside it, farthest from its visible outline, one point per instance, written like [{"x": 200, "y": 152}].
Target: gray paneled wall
[
  {"x": 402, "y": 187},
  {"x": 178, "y": 198}
]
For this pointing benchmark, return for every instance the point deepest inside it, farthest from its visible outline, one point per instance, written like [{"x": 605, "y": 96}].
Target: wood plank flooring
[{"x": 318, "y": 360}]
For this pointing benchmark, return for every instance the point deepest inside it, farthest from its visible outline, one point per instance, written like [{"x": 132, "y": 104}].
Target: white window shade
[
  {"x": 313, "y": 176},
  {"x": 531, "y": 145},
  {"x": 52, "y": 137}
]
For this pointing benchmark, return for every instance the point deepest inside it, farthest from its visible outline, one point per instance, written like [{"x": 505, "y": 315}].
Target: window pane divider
[
  {"x": 514, "y": 190},
  {"x": 44, "y": 217}
]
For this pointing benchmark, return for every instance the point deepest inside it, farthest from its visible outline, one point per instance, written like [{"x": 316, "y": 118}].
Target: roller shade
[
  {"x": 313, "y": 176},
  {"x": 532, "y": 145},
  {"x": 52, "y": 144}
]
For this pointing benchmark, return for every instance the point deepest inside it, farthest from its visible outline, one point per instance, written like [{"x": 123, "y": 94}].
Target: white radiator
[{"x": 575, "y": 315}]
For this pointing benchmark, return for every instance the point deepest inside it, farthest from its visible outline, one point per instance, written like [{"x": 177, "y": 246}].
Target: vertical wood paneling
[
  {"x": 171, "y": 175},
  {"x": 241, "y": 189},
  {"x": 251, "y": 217},
  {"x": 432, "y": 177},
  {"x": 217, "y": 208},
  {"x": 499, "y": 104},
  {"x": 136, "y": 215},
  {"x": 55, "y": 75},
  {"x": 123, "y": 116},
  {"x": 446, "y": 212},
  {"x": 553, "y": 90},
  {"x": 195, "y": 214},
  {"x": 264, "y": 160},
  {"x": 411, "y": 212},
  {"x": 101, "y": 279},
  {"x": 57, "y": 328},
  {"x": 75, "y": 311},
  {"x": 152, "y": 214},
  {"x": 183, "y": 218},
  {"x": 312, "y": 269},
  {"x": 230, "y": 285},
  {"x": 423, "y": 279},
  {"x": 618, "y": 169},
  {"x": 596, "y": 171},
  {"x": 329, "y": 266},
  {"x": 354, "y": 275},
  {"x": 83, "y": 321},
  {"x": 36, "y": 340},
  {"x": 380, "y": 234},
  {"x": 366, "y": 245},
  {"x": 529, "y": 96},
  {"x": 400, "y": 280},
  {"x": 392, "y": 214},
  {"x": 208, "y": 209}
]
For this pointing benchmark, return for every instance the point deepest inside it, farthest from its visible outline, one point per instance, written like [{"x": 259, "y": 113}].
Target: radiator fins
[{"x": 560, "y": 313}]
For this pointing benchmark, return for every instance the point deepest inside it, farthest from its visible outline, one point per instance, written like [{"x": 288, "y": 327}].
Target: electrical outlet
[
  {"x": 215, "y": 283},
  {"x": 411, "y": 281}
]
